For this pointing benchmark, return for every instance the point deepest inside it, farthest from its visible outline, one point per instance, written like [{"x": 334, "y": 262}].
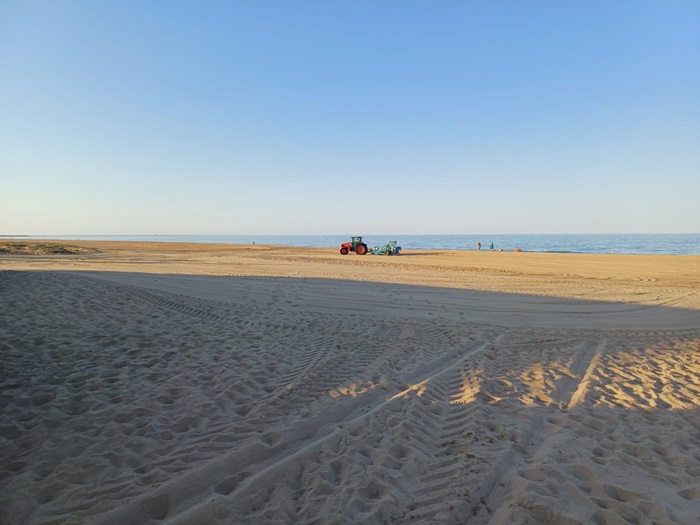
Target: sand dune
[{"x": 190, "y": 384}]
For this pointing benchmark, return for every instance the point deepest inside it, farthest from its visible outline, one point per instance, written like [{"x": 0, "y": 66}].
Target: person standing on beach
[
  {"x": 491, "y": 245},
  {"x": 478, "y": 246}
]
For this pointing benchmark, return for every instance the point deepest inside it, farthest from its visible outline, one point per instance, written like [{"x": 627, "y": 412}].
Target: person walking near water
[
  {"x": 478, "y": 246},
  {"x": 491, "y": 245}
]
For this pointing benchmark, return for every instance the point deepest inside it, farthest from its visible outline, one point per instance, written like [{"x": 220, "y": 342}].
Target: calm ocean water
[{"x": 674, "y": 244}]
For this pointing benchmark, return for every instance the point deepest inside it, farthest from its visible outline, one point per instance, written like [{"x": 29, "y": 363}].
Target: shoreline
[{"x": 639, "y": 244}]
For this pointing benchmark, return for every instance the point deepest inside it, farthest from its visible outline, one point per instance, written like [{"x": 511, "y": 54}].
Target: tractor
[{"x": 356, "y": 245}]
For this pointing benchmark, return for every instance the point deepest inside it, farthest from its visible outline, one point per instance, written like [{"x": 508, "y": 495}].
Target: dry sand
[{"x": 203, "y": 384}]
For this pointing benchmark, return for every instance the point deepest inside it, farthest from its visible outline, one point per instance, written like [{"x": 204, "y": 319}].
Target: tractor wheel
[
  {"x": 361, "y": 249},
  {"x": 343, "y": 251}
]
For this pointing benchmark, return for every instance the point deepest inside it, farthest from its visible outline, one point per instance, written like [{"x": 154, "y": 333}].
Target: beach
[{"x": 222, "y": 384}]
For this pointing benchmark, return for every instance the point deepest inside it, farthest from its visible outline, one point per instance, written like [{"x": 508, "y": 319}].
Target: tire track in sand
[
  {"x": 239, "y": 477},
  {"x": 533, "y": 442}
]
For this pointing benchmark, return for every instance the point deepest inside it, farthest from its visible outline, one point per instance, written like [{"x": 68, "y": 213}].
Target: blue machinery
[{"x": 388, "y": 249}]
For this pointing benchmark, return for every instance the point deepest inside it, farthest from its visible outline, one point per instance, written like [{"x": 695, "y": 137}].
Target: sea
[{"x": 666, "y": 243}]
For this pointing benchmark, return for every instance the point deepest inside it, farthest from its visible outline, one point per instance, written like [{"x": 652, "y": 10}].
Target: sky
[{"x": 337, "y": 117}]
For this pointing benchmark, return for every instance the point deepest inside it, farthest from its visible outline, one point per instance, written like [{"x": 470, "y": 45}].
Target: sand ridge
[{"x": 166, "y": 385}]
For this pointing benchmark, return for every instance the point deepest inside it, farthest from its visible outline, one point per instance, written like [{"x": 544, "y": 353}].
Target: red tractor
[{"x": 356, "y": 245}]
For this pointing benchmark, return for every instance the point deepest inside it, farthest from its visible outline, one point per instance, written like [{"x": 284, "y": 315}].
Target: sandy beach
[{"x": 223, "y": 384}]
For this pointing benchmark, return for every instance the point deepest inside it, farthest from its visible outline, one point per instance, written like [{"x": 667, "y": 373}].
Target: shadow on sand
[{"x": 131, "y": 397}]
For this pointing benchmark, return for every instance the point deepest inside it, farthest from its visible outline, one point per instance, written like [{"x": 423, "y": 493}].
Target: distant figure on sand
[
  {"x": 491, "y": 245},
  {"x": 478, "y": 246},
  {"x": 518, "y": 249}
]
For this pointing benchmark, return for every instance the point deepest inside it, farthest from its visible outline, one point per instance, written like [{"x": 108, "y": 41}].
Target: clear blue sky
[{"x": 336, "y": 117}]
